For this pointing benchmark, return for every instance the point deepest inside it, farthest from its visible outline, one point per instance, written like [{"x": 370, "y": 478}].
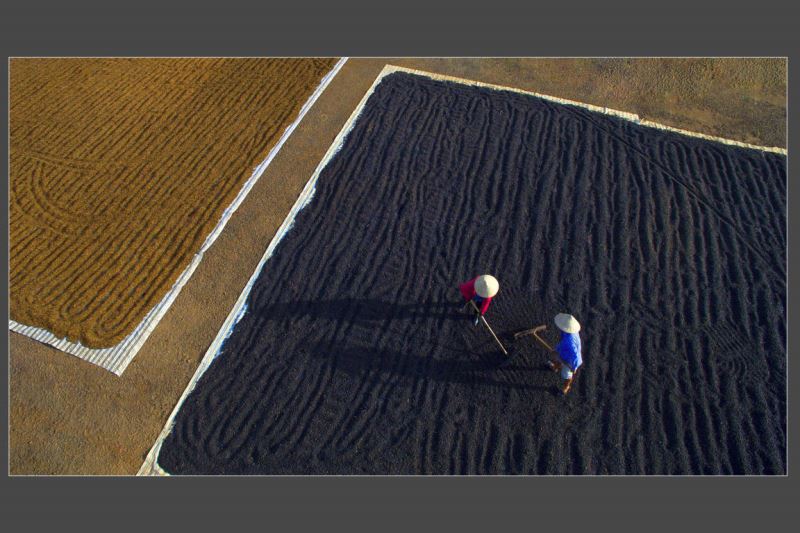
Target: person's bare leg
[{"x": 567, "y": 386}]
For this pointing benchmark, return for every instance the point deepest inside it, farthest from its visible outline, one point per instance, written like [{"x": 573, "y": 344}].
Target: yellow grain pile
[{"x": 120, "y": 168}]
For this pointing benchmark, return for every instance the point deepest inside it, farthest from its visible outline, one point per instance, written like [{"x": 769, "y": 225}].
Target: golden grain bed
[{"x": 120, "y": 168}]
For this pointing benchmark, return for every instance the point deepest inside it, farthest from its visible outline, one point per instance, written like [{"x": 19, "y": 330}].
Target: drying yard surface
[
  {"x": 120, "y": 168},
  {"x": 353, "y": 357},
  {"x": 70, "y": 417}
]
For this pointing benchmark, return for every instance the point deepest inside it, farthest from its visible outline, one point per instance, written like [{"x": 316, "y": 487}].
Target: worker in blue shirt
[{"x": 568, "y": 349}]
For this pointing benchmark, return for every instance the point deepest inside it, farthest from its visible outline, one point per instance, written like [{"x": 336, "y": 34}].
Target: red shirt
[{"x": 468, "y": 292}]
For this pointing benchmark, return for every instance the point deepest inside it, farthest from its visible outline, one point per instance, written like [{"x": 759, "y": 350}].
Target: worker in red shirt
[{"x": 480, "y": 290}]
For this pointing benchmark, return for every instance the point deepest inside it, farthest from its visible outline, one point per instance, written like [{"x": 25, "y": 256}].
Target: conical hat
[
  {"x": 486, "y": 286},
  {"x": 567, "y": 323}
]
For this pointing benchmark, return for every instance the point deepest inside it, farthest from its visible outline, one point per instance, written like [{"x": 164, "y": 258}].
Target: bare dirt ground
[{"x": 70, "y": 417}]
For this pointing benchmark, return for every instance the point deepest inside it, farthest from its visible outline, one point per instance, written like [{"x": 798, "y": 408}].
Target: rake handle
[{"x": 485, "y": 323}]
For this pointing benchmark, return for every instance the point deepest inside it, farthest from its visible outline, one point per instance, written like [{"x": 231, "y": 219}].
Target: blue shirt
[{"x": 569, "y": 350}]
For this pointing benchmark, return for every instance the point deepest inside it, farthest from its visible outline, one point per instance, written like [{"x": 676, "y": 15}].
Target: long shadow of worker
[
  {"x": 359, "y": 310},
  {"x": 357, "y": 360},
  {"x": 469, "y": 365},
  {"x": 372, "y": 312}
]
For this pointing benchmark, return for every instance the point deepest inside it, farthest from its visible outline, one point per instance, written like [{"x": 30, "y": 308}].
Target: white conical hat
[
  {"x": 567, "y": 323},
  {"x": 486, "y": 286}
]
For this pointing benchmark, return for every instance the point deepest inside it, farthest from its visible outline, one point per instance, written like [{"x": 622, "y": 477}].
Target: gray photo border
[{"x": 408, "y": 28}]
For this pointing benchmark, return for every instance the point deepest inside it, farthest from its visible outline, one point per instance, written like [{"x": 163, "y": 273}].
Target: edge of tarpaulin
[
  {"x": 150, "y": 466},
  {"x": 117, "y": 358},
  {"x": 632, "y": 117}
]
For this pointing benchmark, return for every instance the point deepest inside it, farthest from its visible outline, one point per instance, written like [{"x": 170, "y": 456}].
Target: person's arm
[
  {"x": 485, "y": 305},
  {"x": 554, "y": 357},
  {"x": 468, "y": 289},
  {"x": 557, "y": 350}
]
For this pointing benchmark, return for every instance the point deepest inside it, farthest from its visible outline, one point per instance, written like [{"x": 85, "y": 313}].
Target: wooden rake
[{"x": 535, "y": 332}]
